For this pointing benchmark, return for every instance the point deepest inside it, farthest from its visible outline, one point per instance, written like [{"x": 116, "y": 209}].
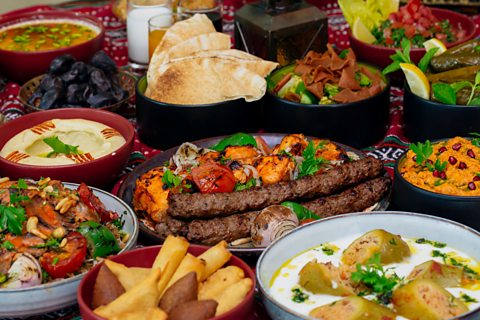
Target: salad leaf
[
  {"x": 425, "y": 61},
  {"x": 474, "y": 102},
  {"x": 60, "y": 147},
  {"x": 444, "y": 93},
  {"x": 331, "y": 89},
  {"x": 301, "y": 212},
  {"x": 238, "y": 139},
  {"x": 12, "y": 218},
  {"x": 457, "y": 86},
  {"x": 311, "y": 164}
]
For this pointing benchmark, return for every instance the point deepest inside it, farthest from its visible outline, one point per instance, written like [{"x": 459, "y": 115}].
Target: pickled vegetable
[
  {"x": 445, "y": 61},
  {"x": 455, "y": 75},
  {"x": 466, "y": 47},
  {"x": 324, "y": 278},
  {"x": 424, "y": 299},
  {"x": 353, "y": 308},
  {"x": 445, "y": 275},
  {"x": 390, "y": 247}
]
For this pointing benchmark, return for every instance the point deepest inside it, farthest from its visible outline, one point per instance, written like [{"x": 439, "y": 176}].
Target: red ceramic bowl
[
  {"x": 100, "y": 172},
  {"x": 21, "y": 66},
  {"x": 144, "y": 257},
  {"x": 380, "y": 55}
]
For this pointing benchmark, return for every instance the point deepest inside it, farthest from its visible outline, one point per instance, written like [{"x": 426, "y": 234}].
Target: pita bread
[
  {"x": 208, "y": 41},
  {"x": 220, "y": 80}
]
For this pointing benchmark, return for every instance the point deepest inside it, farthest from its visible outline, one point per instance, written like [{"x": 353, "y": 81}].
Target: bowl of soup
[
  {"x": 75, "y": 145},
  {"x": 30, "y": 41}
]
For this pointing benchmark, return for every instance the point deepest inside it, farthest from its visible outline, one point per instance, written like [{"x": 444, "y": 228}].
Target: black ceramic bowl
[
  {"x": 408, "y": 197},
  {"x": 426, "y": 119},
  {"x": 358, "y": 124},
  {"x": 164, "y": 125}
]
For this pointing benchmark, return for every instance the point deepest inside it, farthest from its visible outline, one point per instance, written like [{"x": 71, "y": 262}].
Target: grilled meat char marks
[
  {"x": 211, "y": 231},
  {"x": 197, "y": 205}
]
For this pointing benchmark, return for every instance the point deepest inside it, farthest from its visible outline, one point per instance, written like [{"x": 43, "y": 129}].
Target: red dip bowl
[
  {"x": 21, "y": 66},
  {"x": 100, "y": 172},
  {"x": 144, "y": 257}
]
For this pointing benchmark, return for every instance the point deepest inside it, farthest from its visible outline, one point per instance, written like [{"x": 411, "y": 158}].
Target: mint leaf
[
  {"x": 425, "y": 61},
  {"x": 457, "y": 86},
  {"x": 394, "y": 66},
  {"x": 59, "y": 147},
  {"x": 444, "y": 93},
  {"x": 474, "y": 102}
]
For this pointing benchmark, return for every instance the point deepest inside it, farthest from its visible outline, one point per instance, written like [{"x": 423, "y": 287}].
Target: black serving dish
[
  {"x": 408, "y": 197},
  {"x": 426, "y": 119},
  {"x": 358, "y": 124},
  {"x": 164, "y": 125}
]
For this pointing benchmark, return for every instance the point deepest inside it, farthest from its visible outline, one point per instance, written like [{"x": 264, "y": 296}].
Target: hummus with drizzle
[{"x": 90, "y": 140}]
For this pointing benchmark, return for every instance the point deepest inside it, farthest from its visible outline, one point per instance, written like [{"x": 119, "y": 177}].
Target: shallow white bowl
[
  {"x": 59, "y": 294},
  {"x": 409, "y": 225}
]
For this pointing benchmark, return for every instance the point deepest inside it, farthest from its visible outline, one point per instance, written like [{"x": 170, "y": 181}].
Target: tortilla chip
[{"x": 220, "y": 79}]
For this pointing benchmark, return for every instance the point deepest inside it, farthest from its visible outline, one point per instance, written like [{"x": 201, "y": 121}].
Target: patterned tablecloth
[{"x": 388, "y": 150}]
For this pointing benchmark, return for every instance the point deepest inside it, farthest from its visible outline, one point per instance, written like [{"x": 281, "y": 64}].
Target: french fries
[
  {"x": 215, "y": 258},
  {"x": 178, "y": 282}
]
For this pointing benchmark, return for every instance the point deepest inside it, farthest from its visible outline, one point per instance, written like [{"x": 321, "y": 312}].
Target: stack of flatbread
[{"x": 193, "y": 64}]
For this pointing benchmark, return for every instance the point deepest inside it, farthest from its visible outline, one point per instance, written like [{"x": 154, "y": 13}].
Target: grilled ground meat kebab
[
  {"x": 233, "y": 227},
  {"x": 208, "y": 205}
]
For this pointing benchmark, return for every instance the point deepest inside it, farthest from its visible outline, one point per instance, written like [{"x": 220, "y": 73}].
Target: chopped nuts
[
  {"x": 48, "y": 189},
  {"x": 43, "y": 181},
  {"x": 32, "y": 225},
  {"x": 61, "y": 203},
  {"x": 63, "y": 243},
  {"x": 59, "y": 232}
]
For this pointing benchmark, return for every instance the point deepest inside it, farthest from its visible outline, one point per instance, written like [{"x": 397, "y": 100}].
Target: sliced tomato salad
[{"x": 416, "y": 22}]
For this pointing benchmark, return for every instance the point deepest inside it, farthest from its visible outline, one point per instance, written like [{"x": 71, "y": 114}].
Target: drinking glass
[
  {"x": 212, "y": 8},
  {"x": 138, "y": 14},
  {"x": 158, "y": 26}
]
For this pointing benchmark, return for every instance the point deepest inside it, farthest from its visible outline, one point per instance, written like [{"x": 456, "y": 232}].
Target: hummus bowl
[
  {"x": 428, "y": 232},
  {"x": 62, "y": 293},
  {"x": 102, "y": 142}
]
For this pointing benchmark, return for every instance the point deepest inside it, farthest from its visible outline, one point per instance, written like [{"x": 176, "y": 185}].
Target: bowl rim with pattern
[
  {"x": 128, "y": 258},
  {"x": 410, "y": 224},
  {"x": 61, "y": 287},
  {"x": 117, "y": 122}
]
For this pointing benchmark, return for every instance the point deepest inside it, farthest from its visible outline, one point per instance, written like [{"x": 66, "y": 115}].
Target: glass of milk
[{"x": 138, "y": 14}]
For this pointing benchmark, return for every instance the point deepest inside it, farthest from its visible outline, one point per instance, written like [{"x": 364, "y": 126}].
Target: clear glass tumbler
[
  {"x": 138, "y": 14},
  {"x": 212, "y": 8}
]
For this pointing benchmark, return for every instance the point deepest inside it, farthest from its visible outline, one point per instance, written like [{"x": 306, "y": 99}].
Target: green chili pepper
[{"x": 101, "y": 241}]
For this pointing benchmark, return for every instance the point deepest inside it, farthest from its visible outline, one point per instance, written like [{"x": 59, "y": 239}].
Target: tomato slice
[
  {"x": 213, "y": 178},
  {"x": 65, "y": 260}
]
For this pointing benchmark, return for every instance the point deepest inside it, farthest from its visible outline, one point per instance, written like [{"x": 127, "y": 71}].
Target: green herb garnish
[
  {"x": 170, "y": 179},
  {"x": 328, "y": 250},
  {"x": 467, "y": 299},
  {"x": 238, "y": 139},
  {"x": 311, "y": 164},
  {"x": 12, "y": 215},
  {"x": 301, "y": 212},
  {"x": 299, "y": 296},
  {"x": 8, "y": 245},
  {"x": 59, "y": 147},
  {"x": 435, "y": 244},
  {"x": 403, "y": 56},
  {"x": 51, "y": 243},
  {"x": 247, "y": 185},
  {"x": 363, "y": 80},
  {"x": 375, "y": 277},
  {"x": 444, "y": 93},
  {"x": 475, "y": 141},
  {"x": 422, "y": 151},
  {"x": 452, "y": 261},
  {"x": 55, "y": 261}
]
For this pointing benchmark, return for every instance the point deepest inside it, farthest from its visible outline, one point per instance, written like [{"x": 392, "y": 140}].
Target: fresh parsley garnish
[
  {"x": 12, "y": 215},
  {"x": 467, "y": 299},
  {"x": 329, "y": 251},
  {"x": 375, "y": 278},
  {"x": 299, "y": 296},
  {"x": 311, "y": 164},
  {"x": 475, "y": 141},
  {"x": 171, "y": 180},
  {"x": 436, "y": 244},
  {"x": 422, "y": 151},
  {"x": 59, "y": 147},
  {"x": 21, "y": 184},
  {"x": 247, "y": 185},
  {"x": 8, "y": 245},
  {"x": 452, "y": 261}
]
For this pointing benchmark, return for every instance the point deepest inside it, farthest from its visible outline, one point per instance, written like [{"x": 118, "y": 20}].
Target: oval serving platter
[{"x": 147, "y": 226}]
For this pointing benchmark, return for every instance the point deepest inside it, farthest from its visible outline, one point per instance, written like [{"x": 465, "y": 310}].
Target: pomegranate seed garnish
[
  {"x": 414, "y": 158},
  {"x": 472, "y": 186},
  {"x": 443, "y": 175},
  {"x": 430, "y": 161},
  {"x": 476, "y": 178},
  {"x": 436, "y": 173},
  {"x": 452, "y": 160},
  {"x": 457, "y": 146},
  {"x": 442, "y": 149},
  {"x": 462, "y": 165},
  {"x": 470, "y": 153}
]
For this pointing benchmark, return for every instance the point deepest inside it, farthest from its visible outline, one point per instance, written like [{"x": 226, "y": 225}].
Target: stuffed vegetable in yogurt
[
  {"x": 327, "y": 78},
  {"x": 379, "y": 276}
]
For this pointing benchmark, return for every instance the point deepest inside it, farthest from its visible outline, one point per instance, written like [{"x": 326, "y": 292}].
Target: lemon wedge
[
  {"x": 361, "y": 32},
  {"x": 416, "y": 79},
  {"x": 435, "y": 43}
]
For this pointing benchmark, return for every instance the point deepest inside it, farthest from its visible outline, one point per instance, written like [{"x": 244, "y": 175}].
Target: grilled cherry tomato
[
  {"x": 92, "y": 201},
  {"x": 67, "y": 259},
  {"x": 213, "y": 178}
]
